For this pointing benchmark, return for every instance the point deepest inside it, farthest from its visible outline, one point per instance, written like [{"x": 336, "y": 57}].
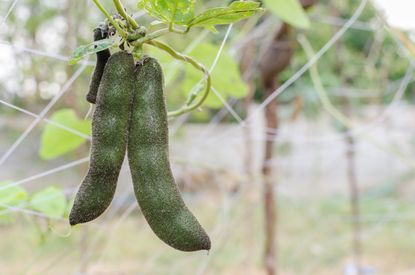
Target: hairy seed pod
[
  {"x": 148, "y": 154},
  {"x": 102, "y": 58},
  {"x": 109, "y": 139}
]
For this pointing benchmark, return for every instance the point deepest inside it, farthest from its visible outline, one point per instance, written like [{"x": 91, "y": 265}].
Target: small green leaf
[
  {"x": 56, "y": 141},
  {"x": 178, "y": 12},
  {"x": 235, "y": 12},
  {"x": 82, "y": 51},
  {"x": 13, "y": 197},
  {"x": 289, "y": 11},
  {"x": 50, "y": 201},
  {"x": 226, "y": 78}
]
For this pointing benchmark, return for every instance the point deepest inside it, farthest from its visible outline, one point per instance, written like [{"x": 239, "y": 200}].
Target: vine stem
[
  {"x": 334, "y": 112},
  {"x": 109, "y": 17},
  {"x": 188, "y": 107},
  {"x": 150, "y": 37},
  {"x": 123, "y": 13}
]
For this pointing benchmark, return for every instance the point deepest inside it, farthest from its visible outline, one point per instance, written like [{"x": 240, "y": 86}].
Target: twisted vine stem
[
  {"x": 188, "y": 106},
  {"x": 149, "y": 39},
  {"x": 121, "y": 10},
  {"x": 109, "y": 17}
]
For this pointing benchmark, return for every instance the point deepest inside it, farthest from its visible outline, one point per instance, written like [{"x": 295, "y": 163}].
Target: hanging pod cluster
[{"x": 131, "y": 115}]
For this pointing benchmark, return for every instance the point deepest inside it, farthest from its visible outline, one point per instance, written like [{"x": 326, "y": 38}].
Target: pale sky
[{"x": 399, "y": 13}]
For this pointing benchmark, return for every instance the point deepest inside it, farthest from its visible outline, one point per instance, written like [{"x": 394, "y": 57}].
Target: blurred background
[{"x": 300, "y": 162}]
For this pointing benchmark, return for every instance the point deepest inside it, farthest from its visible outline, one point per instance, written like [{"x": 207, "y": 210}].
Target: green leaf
[
  {"x": 178, "y": 12},
  {"x": 50, "y": 201},
  {"x": 290, "y": 11},
  {"x": 82, "y": 51},
  {"x": 235, "y": 12},
  {"x": 11, "y": 196},
  {"x": 226, "y": 77},
  {"x": 56, "y": 141}
]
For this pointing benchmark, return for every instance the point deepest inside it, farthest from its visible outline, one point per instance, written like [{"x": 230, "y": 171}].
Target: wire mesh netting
[{"x": 315, "y": 232}]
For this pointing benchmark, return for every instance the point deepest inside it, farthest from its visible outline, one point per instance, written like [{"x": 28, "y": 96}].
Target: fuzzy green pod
[
  {"x": 148, "y": 155},
  {"x": 109, "y": 139},
  {"x": 100, "y": 33}
]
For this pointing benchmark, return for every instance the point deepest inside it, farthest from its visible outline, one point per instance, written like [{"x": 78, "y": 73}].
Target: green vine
[
  {"x": 188, "y": 106},
  {"x": 120, "y": 31},
  {"x": 337, "y": 114},
  {"x": 135, "y": 35},
  {"x": 121, "y": 10}
]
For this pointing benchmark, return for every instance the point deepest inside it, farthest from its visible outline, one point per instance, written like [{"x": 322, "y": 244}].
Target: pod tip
[{"x": 72, "y": 220}]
